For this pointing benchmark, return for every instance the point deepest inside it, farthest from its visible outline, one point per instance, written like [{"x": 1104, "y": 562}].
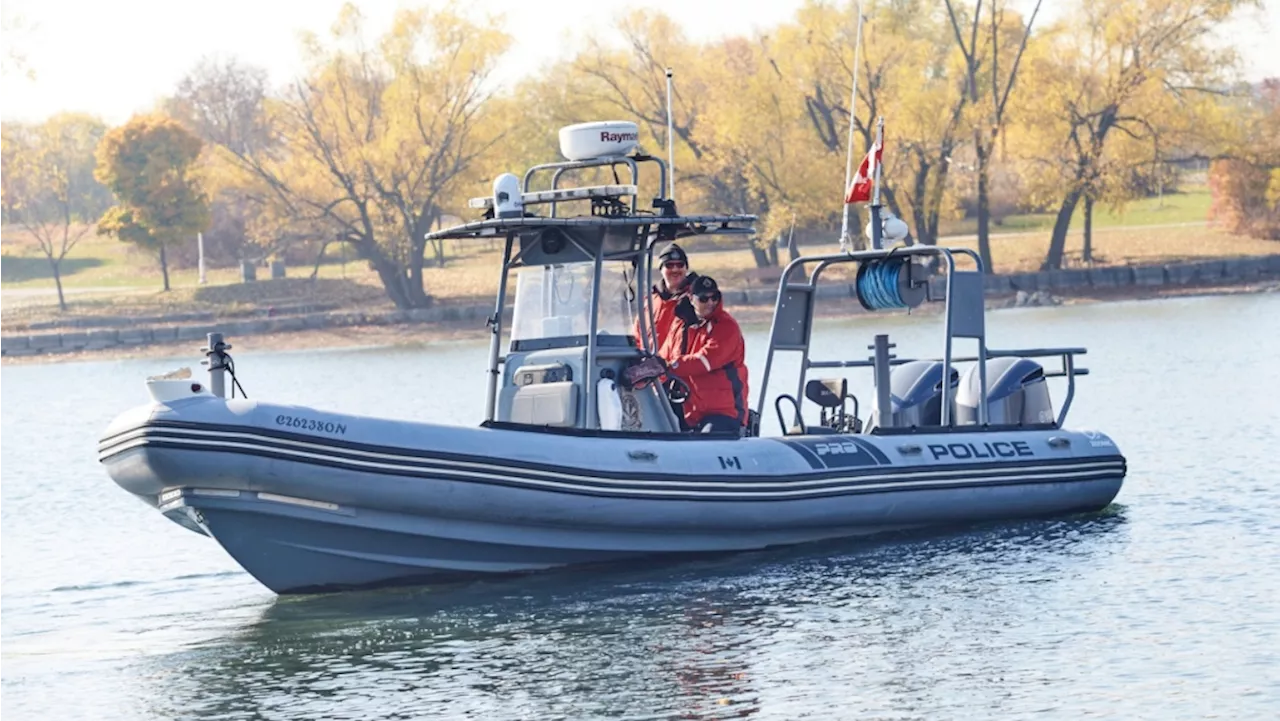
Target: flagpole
[
  {"x": 877, "y": 241},
  {"x": 848, "y": 163},
  {"x": 671, "y": 145},
  {"x": 200, "y": 254}
]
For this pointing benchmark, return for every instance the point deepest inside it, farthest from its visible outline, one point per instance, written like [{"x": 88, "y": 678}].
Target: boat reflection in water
[{"x": 725, "y": 637}]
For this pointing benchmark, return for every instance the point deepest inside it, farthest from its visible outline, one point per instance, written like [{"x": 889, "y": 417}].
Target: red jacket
[{"x": 710, "y": 356}]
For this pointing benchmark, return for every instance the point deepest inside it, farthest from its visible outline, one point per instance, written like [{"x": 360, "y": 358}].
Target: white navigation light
[
  {"x": 586, "y": 141},
  {"x": 507, "y": 200}
]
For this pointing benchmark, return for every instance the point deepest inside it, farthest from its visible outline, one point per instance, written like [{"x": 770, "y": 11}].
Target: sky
[{"x": 114, "y": 59}]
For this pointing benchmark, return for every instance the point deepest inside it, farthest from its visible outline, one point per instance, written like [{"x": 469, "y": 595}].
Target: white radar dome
[
  {"x": 893, "y": 230},
  {"x": 585, "y": 141}
]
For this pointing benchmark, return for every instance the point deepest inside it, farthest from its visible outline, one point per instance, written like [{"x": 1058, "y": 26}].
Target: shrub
[{"x": 1245, "y": 198}]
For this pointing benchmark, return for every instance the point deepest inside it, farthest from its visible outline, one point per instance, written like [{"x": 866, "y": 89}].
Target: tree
[
  {"x": 49, "y": 186},
  {"x": 224, "y": 102},
  {"x": 629, "y": 77},
  {"x": 13, "y": 142},
  {"x": 988, "y": 118},
  {"x": 147, "y": 163},
  {"x": 373, "y": 144},
  {"x": 1245, "y": 182},
  {"x": 907, "y": 74},
  {"x": 759, "y": 120},
  {"x": 923, "y": 131},
  {"x": 1116, "y": 81},
  {"x": 758, "y": 150}
]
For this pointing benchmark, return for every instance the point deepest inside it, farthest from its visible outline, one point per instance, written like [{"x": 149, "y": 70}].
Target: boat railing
[
  {"x": 631, "y": 161},
  {"x": 793, "y": 315},
  {"x": 1067, "y": 369},
  {"x": 964, "y": 318}
]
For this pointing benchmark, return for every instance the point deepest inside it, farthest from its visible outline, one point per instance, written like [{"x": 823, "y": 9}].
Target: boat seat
[
  {"x": 814, "y": 430},
  {"x": 830, "y": 394},
  {"x": 827, "y": 392},
  {"x": 546, "y": 404}
]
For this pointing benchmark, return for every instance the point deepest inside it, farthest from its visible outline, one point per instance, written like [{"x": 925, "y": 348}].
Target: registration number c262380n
[{"x": 310, "y": 424}]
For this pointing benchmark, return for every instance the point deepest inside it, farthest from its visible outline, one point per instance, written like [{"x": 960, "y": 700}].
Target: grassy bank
[
  {"x": 105, "y": 277},
  {"x": 1189, "y": 206}
]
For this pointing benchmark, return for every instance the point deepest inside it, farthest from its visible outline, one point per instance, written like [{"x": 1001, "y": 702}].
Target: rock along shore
[{"x": 108, "y": 333}]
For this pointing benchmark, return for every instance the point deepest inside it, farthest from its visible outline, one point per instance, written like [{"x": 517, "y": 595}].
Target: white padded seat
[{"x": 546, "y": 404}]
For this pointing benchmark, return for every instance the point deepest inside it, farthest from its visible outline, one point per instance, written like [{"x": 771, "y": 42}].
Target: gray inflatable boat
[{"x": 573, "y": 466}]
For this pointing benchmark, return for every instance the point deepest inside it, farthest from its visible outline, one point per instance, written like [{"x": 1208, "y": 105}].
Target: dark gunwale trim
[
  {"x": 161, "y": 435},
  {"x": 1094, "y": 476}
]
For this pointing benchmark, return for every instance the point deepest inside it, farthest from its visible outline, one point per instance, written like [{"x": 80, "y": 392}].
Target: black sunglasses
[
  {"x": 675, "y": 264},
  {"x": 708, "y": 297}
]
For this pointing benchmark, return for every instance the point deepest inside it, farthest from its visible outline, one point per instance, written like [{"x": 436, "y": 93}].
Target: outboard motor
[
  {"x": 1017, "y": 394},
  {"x": 915, "y": 390}
]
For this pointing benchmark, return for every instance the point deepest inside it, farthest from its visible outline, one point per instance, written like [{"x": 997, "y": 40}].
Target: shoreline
[{"x": 417, "y": 334}]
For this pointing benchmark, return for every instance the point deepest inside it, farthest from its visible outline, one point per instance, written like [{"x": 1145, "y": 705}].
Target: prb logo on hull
[{"x": 837, "y": 452}]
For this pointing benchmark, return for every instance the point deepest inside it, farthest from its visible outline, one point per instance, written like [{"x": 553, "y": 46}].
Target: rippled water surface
[{"x": 1163, "y": 606}]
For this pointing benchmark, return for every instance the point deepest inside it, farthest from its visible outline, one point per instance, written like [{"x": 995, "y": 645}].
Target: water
[{"x": 1163, "y": 606}]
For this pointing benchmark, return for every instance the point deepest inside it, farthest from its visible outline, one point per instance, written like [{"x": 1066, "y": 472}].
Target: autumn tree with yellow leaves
[
  {"x": 148, "y": 164},
  {"x": 381, "y": 139},
  {"x": 910, "y": 76},
  {"x": 1115, "y": 81},
  {"x": 373, "y": 144},
  {"x": 1245, "y": 180},
  {"x": 761, "y": 121},
  {"x": 49, "y": 187},
  {"x": 991, "y": 48}
]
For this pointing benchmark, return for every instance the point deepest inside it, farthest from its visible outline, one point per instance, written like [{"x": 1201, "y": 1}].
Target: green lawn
[
  {"x": 103, "y": 275},
  {"x": 98, "y": 262},
  {"x": 1189, "y": 206}
]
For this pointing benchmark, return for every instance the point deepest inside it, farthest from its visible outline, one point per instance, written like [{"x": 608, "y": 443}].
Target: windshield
[{"x": 554, "y": 301}]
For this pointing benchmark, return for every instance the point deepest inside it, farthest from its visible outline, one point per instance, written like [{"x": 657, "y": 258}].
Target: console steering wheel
[{"x": 677, "y": 390}]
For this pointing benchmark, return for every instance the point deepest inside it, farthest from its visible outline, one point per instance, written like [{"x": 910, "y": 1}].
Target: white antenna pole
[
  {"x": 200, "y": 255},
  {"x": 671, "y": 146},
  {"x": 845, "y": 239},
  {"x": 877, "y": 232},
  {"x": 875, "y": 197},
  {"x": 791, "y": 238}
]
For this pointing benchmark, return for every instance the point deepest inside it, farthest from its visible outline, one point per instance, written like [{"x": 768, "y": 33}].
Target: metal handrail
[
  {"x": 629, "y": 160},
  {"x": 1067, "y": 355},
  {"x": 793, "y": 280}
]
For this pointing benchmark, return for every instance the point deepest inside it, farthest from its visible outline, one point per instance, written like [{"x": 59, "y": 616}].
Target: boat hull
[{"x": 389, "y": 502}]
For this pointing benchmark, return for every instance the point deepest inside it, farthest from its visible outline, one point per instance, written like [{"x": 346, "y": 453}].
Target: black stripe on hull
[
  {"x": 269, "y": 440},
  {"x": 741, "y": 489}
]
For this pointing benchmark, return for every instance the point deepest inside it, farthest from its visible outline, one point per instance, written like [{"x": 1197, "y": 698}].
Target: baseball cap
[{"x": 704, "y": 285}]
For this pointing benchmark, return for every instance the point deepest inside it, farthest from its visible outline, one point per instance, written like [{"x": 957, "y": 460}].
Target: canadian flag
[{"x": 860, "y": 188}]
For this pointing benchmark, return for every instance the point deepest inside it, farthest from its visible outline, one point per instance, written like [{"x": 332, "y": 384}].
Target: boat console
[
  {"x": 582, "y": 265},
  {"x": 580, "y": 302}
]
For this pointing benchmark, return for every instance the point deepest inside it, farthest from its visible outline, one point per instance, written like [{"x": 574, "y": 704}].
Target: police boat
[{"x": 575, "y": 464}]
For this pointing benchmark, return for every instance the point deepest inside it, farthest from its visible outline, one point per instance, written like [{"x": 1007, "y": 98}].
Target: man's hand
[{"x": 685, "y": 312}]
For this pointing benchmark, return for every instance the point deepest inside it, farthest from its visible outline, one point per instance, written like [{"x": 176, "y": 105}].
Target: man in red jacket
[
  {"x": 709, "y": 355},
  {"x": 670, "y": 293}
]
